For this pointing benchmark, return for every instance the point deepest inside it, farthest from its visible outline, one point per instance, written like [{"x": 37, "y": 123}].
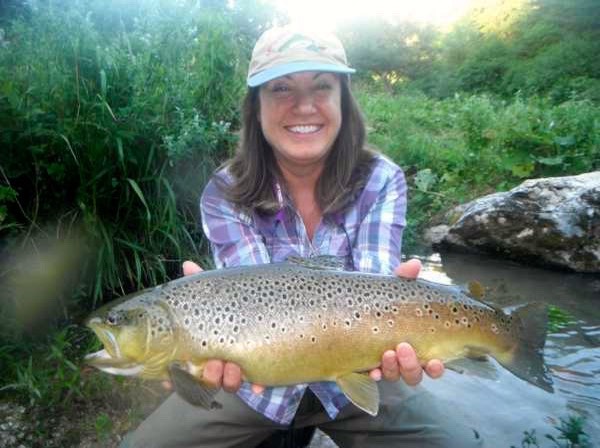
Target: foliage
[
  {"x": 394, "y": 52},
  {"x": 571, "y": 435},
  {"x": 115, "y": 122},
  {"x": 458, "y": 148},
  {"x": 113, "y": 116}
]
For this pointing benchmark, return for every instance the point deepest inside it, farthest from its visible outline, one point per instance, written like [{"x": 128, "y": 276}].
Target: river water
[{"x": 495, "y": 402}]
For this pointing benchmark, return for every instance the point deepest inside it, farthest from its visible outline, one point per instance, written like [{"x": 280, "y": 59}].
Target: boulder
[{"x": 550, "y": 222}]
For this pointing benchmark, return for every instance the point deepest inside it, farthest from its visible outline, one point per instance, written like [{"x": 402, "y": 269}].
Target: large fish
[{"x": 300, "y": 322}]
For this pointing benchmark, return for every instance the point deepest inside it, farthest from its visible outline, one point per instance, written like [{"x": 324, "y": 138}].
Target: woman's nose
[{"x": 305, "y": 103}]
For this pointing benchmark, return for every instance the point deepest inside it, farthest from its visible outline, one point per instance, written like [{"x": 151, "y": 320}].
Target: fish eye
[{"x": 112, "y": 319}]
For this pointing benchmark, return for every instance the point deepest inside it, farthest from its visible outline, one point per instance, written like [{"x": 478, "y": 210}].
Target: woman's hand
[{"x": 403, "y": 362}]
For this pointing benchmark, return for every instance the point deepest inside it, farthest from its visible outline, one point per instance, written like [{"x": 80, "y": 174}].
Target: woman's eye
[
  {"x": 279, "y": 88},
  {"x": 324, "y": 86}
]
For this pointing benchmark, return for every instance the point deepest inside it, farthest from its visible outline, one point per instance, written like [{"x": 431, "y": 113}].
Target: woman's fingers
[
  {"x": 409, "y": 269},
  {"x": 410, "y": 368},
  {"x": 189, "y": 268}
]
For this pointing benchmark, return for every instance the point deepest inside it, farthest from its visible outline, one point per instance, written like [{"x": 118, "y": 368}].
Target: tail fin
[{"x": 530, "y": 324}]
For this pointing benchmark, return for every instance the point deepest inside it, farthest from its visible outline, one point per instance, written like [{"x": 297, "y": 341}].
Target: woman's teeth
[{"x": 304, "y": 129}]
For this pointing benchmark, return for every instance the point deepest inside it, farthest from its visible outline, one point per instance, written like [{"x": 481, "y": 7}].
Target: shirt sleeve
[
  {"x": 378, "y": 245},
  {"x": 233, "y": 238}
]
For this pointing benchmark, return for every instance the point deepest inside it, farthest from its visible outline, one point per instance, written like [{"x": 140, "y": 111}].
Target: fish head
[{"x": 138, "y": 338}]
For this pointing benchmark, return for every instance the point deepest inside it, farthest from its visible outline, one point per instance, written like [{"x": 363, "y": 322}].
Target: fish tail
[{"x": 526, "y": 359}]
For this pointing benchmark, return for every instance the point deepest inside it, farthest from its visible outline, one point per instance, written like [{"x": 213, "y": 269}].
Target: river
[{"x": 498, "y": 404}]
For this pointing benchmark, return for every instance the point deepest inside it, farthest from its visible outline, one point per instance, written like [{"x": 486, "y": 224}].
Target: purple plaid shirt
[{"x": 368, "y": 234}]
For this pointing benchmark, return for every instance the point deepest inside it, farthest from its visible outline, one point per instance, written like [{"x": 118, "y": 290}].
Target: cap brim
[{"x": 294, "y": 67}]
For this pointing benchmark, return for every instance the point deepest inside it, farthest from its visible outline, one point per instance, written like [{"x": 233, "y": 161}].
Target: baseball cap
[{"x": 287, "y": 49}]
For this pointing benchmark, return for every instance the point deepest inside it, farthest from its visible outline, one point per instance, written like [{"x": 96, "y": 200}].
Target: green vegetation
[
  {"x": 571, "y": 435},
  {"x": 458, "y": 148},
  {"x": 114, "y": 114}
]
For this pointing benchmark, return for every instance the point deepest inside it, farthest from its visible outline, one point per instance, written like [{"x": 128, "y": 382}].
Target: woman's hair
[{"x": 254, "y": 168}]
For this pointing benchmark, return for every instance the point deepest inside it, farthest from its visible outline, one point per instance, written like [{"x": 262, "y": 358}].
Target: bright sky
[{"x": 326, "y": 14}]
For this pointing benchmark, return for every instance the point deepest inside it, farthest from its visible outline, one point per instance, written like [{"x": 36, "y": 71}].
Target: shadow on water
[{"x": 496, "y": 403}]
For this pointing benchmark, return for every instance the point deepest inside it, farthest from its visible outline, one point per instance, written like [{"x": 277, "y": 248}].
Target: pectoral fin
[
  {"x": 361, "y": 390},
  {"x": 191, "y": 389}
]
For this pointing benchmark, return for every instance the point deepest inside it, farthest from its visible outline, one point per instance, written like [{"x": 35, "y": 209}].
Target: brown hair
[{"x": 253, "y": 167}]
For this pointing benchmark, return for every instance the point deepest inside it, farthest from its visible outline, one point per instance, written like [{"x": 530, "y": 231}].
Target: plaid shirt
[{"x": 368, "y": 234}]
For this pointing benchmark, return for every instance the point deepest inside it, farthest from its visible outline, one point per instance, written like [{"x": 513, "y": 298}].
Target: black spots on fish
[
  {"x": 378, "y": 314},
  {"x": 324, "y": 327},
  {"x": 454, "y": 309},
  {"x": 231, "y": 341},
  {"x": 464, "y": 320},
  {"x": 301, "y": 319},
  {"x": 375, "y": 330},
  {"x": 186, "y": 306},
  {"x": 200, "y": 326},
  {"x": 432, "y": 330},
  {"x": 217, "y": 320},
  {"x": 216, "y": 332},
  {"x": 357, "y": 315},
  {"x": 196, "y": 311},
  {"x": 390, "y": 323},
  {"x": 283, "y": 329},
  {"x": 349, "y": 301},
  {"x": 447, "y": 324},
  {"x": 204, "y": 343},
  {"x": 395, "y": 310},
  {"x": 418, "y": 312},
  {"x": 347, "y": 323},
  {"x": 243, "y": 321},
  {"x": 324, "y": 306},
  {"x": 273, "y": 325},
  {"x": 313, "y": 339},
  {"x": 186, "y": 321},
  {"x": 436, "y": 316},
  {"x": 222, "y": 340},
  {"x": 259, "y": 317},
  {"x": 366, "y": 309},
  {"x": 311, "y": 302},
  {"x": 457, "y": 322}
]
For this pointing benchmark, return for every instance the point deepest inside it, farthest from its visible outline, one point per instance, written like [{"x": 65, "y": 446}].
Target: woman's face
[{"x": 300, "y": 116}]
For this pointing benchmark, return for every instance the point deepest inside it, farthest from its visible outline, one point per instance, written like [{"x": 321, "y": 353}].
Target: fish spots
[
  {"x": 447, "y": 324},
  {"x": 418, "y": 312},
  {"x": 432, "y": 330},
  {"x": 390, "y": 323},
  {"x": 375, "y": 330},
  {"x": 313, "y": 339}
]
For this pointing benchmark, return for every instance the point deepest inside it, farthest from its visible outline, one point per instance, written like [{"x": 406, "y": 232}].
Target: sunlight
[{"x": 326, "y": 15}]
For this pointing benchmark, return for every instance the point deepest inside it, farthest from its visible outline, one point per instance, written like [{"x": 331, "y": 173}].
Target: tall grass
[
  {"x": 117, "y": 129},
  {"x": 113, "y": 116}
]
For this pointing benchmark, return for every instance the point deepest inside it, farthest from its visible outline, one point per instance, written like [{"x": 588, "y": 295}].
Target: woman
[{"x": 302, "y": 183}]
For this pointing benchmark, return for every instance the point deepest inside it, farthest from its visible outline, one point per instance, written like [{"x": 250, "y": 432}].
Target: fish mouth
[
  {"x": 106, "y": 336},
  {"x": 110, "y": 358},
  {"x": 104, "y": 361}
]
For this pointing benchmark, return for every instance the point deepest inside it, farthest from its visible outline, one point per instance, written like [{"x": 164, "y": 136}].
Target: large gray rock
[{"x": 550, "y": 221}]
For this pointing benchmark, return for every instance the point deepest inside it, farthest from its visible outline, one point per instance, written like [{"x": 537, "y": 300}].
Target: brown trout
[{"x": 297, "y": 322}]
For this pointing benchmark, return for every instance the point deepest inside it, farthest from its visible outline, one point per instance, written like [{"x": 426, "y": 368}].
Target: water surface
[{"x": 491, "y": 399}]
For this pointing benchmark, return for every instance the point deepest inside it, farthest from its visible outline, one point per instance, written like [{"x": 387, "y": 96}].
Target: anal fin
[
  {"x": 191, "y": 389},
  {"x": 361, "y": 390}
]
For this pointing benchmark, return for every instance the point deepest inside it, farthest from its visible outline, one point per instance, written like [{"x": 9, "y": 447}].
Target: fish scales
[{"x": 287, "y": 323}]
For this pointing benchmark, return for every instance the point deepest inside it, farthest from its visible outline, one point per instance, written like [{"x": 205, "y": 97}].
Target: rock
[{"x": 550, "y": 222}]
